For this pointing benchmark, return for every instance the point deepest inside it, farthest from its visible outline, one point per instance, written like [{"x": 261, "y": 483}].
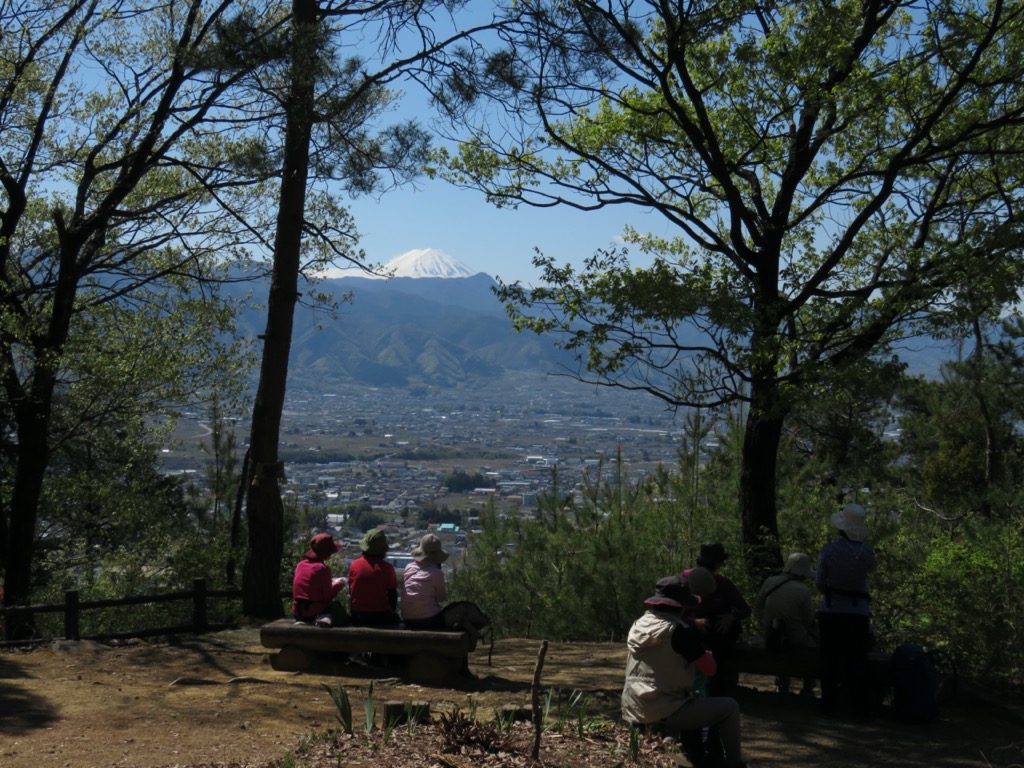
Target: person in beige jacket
[{"x": 662, "y": 653}]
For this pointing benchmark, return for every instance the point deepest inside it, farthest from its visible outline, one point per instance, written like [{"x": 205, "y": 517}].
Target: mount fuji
[
  {"x": 427, "y": 262},
  {"x": 434, "y": 322},
  {"x": 417, "y": 263}
]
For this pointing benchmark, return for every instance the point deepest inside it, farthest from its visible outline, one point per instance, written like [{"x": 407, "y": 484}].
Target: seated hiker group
[
  {"x": 372, "y": 585},
  {"x": 680, "y": 664}
]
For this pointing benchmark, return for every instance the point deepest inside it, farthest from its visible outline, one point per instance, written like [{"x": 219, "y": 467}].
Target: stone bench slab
[{"x": 432, "y": 658}]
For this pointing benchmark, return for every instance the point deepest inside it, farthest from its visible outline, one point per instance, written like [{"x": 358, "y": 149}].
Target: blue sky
[
  {"x": 499, "y": 242},
  {"x": 463, "y": 225}
]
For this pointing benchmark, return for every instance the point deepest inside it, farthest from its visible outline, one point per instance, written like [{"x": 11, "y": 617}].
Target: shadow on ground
[{"x": 20, "y": 711}]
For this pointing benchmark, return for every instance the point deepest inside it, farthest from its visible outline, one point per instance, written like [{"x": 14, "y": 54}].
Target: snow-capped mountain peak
[{"x": 427, "y": 262}]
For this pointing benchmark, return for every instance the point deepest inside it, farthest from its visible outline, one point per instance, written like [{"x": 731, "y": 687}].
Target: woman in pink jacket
[{"x": 424, "y": 591}]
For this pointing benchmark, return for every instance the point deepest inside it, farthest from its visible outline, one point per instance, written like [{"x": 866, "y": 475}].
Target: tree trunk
[
  {"x": 758, "y": 483},
  {"x": 33, "y": 409},
  {"x": 261, "y": 574},
  {"x": 33, "y": 458}
]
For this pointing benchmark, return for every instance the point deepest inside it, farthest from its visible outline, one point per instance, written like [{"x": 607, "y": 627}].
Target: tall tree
[
  {"x": 329, "y": 107},
  {"x": 262, "y": 570},
  {"x": 825, "y": 171},
  {"x": 120, "y": 194}
]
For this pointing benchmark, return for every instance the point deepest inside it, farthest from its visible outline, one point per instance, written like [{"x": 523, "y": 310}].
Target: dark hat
[
  {"x": 374, "y": 543},
  {"x": 670, "y": 592},
  {"x": 712, "y": 552},
  {"x": 321, "y": 547}
]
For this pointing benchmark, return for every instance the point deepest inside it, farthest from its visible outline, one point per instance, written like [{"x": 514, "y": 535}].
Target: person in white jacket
[{"x": 663, "y": 651}]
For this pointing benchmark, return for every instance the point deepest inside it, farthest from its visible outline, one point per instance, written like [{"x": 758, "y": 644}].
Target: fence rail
[{"x": 73, "y": 606}]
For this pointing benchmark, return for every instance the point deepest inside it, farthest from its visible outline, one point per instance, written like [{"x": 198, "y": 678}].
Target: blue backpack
[{"x": 915, "y": 684}]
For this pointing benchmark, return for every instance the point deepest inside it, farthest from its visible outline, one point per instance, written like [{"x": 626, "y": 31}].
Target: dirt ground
[{"x": 215, "y": 702}]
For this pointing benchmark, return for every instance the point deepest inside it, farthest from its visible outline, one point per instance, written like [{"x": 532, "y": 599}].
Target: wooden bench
[
  {"x": 801, "y": 663},
  {"x": 431, "y": 658}
]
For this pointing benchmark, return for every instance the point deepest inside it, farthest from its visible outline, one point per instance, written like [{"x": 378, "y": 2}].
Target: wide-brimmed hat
[
  {"x": 429, "y": 550},
  {"x": 712, "y": 552},
  {"x": 374, "y": 543},
  {"x": 670, "y": 592},
  {"x": 850, "y": 520},
  {"x": 321, "y": 547},
  {"x": 799, "y": 564},
  {"x": 700, "y": 581}
]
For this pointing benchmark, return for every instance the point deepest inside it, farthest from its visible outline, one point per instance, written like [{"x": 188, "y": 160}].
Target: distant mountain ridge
[{"x": 435, "y": 323}]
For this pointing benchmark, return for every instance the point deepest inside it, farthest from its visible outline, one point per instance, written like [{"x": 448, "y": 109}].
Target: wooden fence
[{"x": 72, "y": 608}]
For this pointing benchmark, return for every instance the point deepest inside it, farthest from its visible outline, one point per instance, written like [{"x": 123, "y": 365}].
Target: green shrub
[{"x": 580, "y": 568}]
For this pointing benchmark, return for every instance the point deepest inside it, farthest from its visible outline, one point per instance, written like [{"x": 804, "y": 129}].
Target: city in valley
[{"x": 392, "y": 449}]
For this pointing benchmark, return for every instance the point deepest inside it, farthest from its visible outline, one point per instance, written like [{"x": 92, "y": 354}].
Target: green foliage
[
  {"x": 414, "y": 713},
  {"x": 365, "y": 519},
  {"x": 342, "y": 704},
  {"x": 955, "y": 587},
  {"x": 121, "y": 210},
  {"x": 580, "y": 569},
  {"x": 114, "y": 526},
  {"x": 828, "y": 177},
  {"x": 431, "y": 514},
  {"x": 112, "y": 520},
  {"x": 461, "y": 481},
  {"x": 369, "y": 711},
  {"x": 571, "y": 711},
  {"x": 461, "y": 732},
  {"x": 962, "y": 430},
  {"x": 505, "y": 722}
]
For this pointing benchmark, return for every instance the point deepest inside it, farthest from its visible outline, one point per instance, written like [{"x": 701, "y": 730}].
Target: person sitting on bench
[
  {"x": 373, "y": 584},
  {"x": 314, "y": 589},
  {"x": 424, "y": 590},
  {"x": 663, "y": 652}
]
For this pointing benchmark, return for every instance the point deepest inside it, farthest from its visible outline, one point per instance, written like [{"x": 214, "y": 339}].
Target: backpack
[
  {"x": 915, "y": 684},
  {"x": 464, "y": 616}
]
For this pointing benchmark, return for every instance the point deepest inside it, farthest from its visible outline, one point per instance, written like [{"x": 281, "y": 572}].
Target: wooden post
[
  {"x": 395, "y": 713},
  {"x": 538, "y": 713},
  {"x": 199, "y": 621},
  {"x": 71, "y": 629}
]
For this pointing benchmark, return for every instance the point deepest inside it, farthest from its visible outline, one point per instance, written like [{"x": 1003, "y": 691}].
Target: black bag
[
  {"x": 915, "y": 684},
  {"x": 464, "y": 616},
  {"x": 776, "y": 639},
  {"x": 703, "y": 748}
]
